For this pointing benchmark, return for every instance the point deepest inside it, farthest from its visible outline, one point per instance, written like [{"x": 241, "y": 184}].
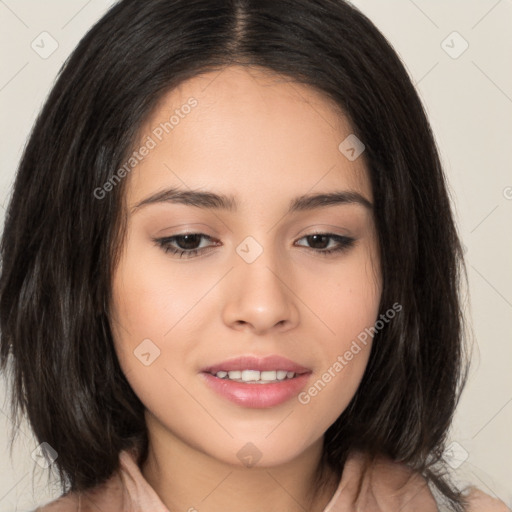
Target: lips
[
  {"x": 256, "y": 396},
  {"x": 248, "y": 362}
]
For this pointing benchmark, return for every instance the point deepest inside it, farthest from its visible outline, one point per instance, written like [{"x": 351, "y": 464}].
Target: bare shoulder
[{"x": 479, "y": 501}]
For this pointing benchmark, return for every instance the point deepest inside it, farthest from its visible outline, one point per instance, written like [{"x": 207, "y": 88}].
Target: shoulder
[
  {"x": 396, "y": 484},
  {"x": 385, "y": 485},
  {"x": 396, "y": 480},
  {"x": 479, "y": 501},
  {"x": 66, "y": 503},
  {"x": 105, "y": 497}
]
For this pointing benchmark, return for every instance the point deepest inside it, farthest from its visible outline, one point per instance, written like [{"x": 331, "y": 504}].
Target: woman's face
[{"x": 261, "y": 285}]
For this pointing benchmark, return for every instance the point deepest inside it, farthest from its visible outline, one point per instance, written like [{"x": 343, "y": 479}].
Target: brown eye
[
  {"x": 188, "y": 242},
  {"x": 185, "y": 245},
  {"x": 320, "y": 242}
]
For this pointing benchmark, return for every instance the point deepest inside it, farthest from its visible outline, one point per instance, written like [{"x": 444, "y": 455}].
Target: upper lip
[{"x": 248, "y": 362}]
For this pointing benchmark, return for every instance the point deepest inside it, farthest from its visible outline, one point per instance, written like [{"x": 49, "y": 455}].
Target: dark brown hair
[{"x": 60, "y": 242}]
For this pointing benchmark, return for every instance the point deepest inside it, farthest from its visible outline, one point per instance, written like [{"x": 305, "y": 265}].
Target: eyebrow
[{"x": 213, "y": 201}]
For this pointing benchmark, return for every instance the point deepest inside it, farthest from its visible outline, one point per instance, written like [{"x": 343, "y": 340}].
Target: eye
[
  {"x": 342, "y": 242},
  {"x": 188, "y": 245}
]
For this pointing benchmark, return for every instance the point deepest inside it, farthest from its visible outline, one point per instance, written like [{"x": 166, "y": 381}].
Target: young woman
[{"x": 230, "y": 272}]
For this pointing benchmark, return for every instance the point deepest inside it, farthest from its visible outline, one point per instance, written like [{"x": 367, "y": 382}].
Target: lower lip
[{"x": 257, "y": 396}]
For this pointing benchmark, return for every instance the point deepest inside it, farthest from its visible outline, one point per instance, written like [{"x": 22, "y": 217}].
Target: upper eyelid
[{"x": 204, "y": 235}]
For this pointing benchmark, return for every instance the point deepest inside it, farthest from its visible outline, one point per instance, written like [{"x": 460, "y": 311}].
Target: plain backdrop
[{"x": 458, "y": 54}]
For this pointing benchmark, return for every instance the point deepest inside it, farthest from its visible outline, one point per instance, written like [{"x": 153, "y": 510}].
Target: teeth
[
  {"x": 248, "y": 375},
  {"x": 255, "y": 375},
  {"x": 268, "y": 375}
]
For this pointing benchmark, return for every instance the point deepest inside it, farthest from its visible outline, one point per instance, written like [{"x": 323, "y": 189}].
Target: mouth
[
  {"x": 256, "y": 382},
  {"x": 255, "y": 376}
]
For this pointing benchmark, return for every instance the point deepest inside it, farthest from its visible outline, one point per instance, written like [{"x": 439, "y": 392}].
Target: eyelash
[{"x": 165, "y": 244}]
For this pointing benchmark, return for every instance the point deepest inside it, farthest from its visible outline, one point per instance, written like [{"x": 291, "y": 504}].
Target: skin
[{"x": 265, "y": 140}]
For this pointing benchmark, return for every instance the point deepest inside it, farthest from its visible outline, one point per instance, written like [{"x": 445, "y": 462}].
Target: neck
[{"x": 187, "y": 479}]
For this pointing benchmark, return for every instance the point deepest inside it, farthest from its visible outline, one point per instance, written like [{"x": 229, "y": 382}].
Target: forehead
[{"x": 246, "y": 128}]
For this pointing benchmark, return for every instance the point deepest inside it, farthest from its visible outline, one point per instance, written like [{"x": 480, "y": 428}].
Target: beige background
[{"x": 469, "y": 101}]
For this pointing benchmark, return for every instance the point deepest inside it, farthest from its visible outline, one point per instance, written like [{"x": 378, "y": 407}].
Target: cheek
[
  {"x": 145, "y": 309},
  {"x": 335, "y": 381},
  {"x": 347, "y": 298},
  {"x": 329, "y": 393},
  {"x": 350, "y": 308},
  {"x": 150, "y": 295},
  {"x": 151, "y": 305}
]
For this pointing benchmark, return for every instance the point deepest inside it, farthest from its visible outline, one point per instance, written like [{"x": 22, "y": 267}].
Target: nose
[{"x": 259, "y": 299}]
